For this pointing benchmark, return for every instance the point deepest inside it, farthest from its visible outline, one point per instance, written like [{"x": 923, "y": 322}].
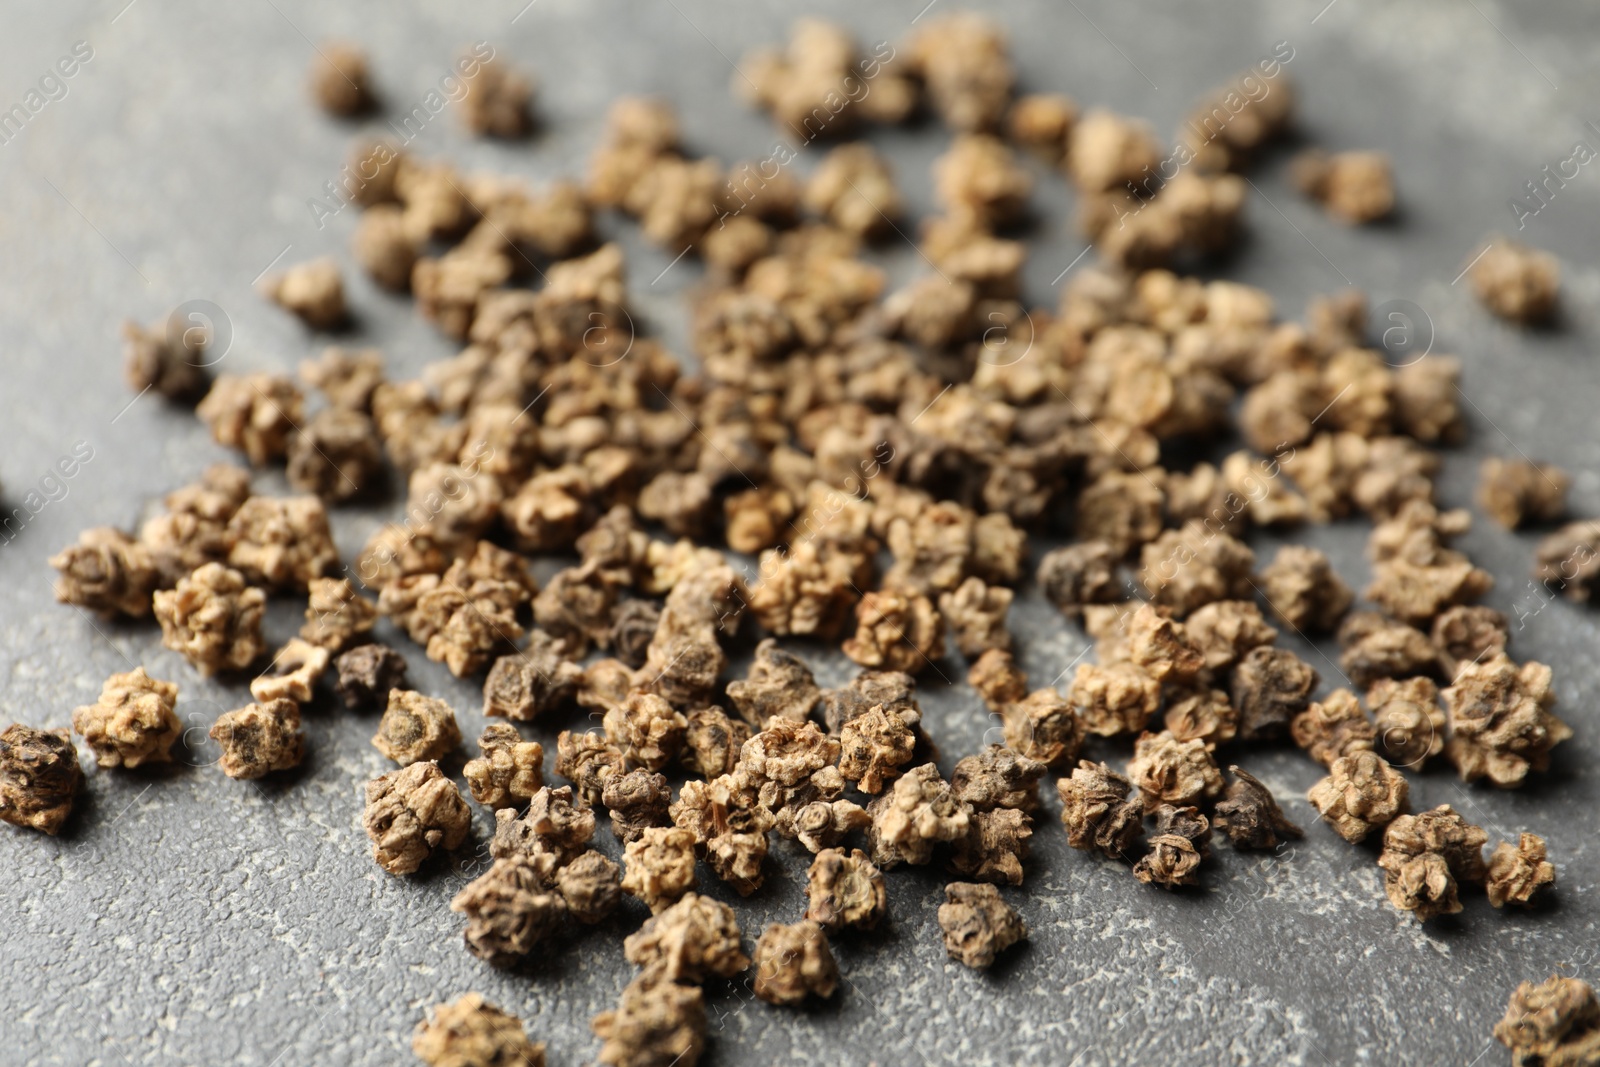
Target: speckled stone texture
[{"x": 186, "y": 918}]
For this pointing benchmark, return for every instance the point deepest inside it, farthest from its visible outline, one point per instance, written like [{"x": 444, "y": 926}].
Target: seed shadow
[
  {"x": 1185, "y": 896},
  {"x": 348, "y": 326},
  {"x": 1217, "y": 263},
  {"x": 78, "y": 820},
  {"x": 1007, "y": 963},
  {"x": 452, "y": 763},
  {"x": 1372, "y": 845},
  {"x": 1545, "y": 903},
  {"x": 154, "y": 772},
  {"x": 241, "y": 678},
  {"x": 550, "y": 966},
  {"x": 279, "y": 784},
  {"x": 373, "y": 107},
  {"x": 1558, "y": 321},
  {"x": 1558, "y": 777},
  {"x": 325, "y": 702},
  {"x": 818, "y": 1009},
  {"x": 569, "y": 716},
  {"x": 1390, "y": 224},
  {"x": 437, "y": 868},
  {"x": 380, "y": 487},
  {"x": 1028, "y": 223},
  {"x": 1443, "y": 927},
  {"x": 9, "y": 532},
  {"x": 1282, "y": 149},
  {"x": 880, "y": 938},
  {"x": 767, "y": 892}
]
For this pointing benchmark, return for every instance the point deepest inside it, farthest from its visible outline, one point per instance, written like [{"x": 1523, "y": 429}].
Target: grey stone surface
[{"x": 187, "y": 918}]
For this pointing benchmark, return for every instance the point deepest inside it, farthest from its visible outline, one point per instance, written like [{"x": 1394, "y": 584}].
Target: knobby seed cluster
[{"x": 887, "y": 457}]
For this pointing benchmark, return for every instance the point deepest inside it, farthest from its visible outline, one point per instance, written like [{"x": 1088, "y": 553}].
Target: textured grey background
[{"x": 187, "y": 918}]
